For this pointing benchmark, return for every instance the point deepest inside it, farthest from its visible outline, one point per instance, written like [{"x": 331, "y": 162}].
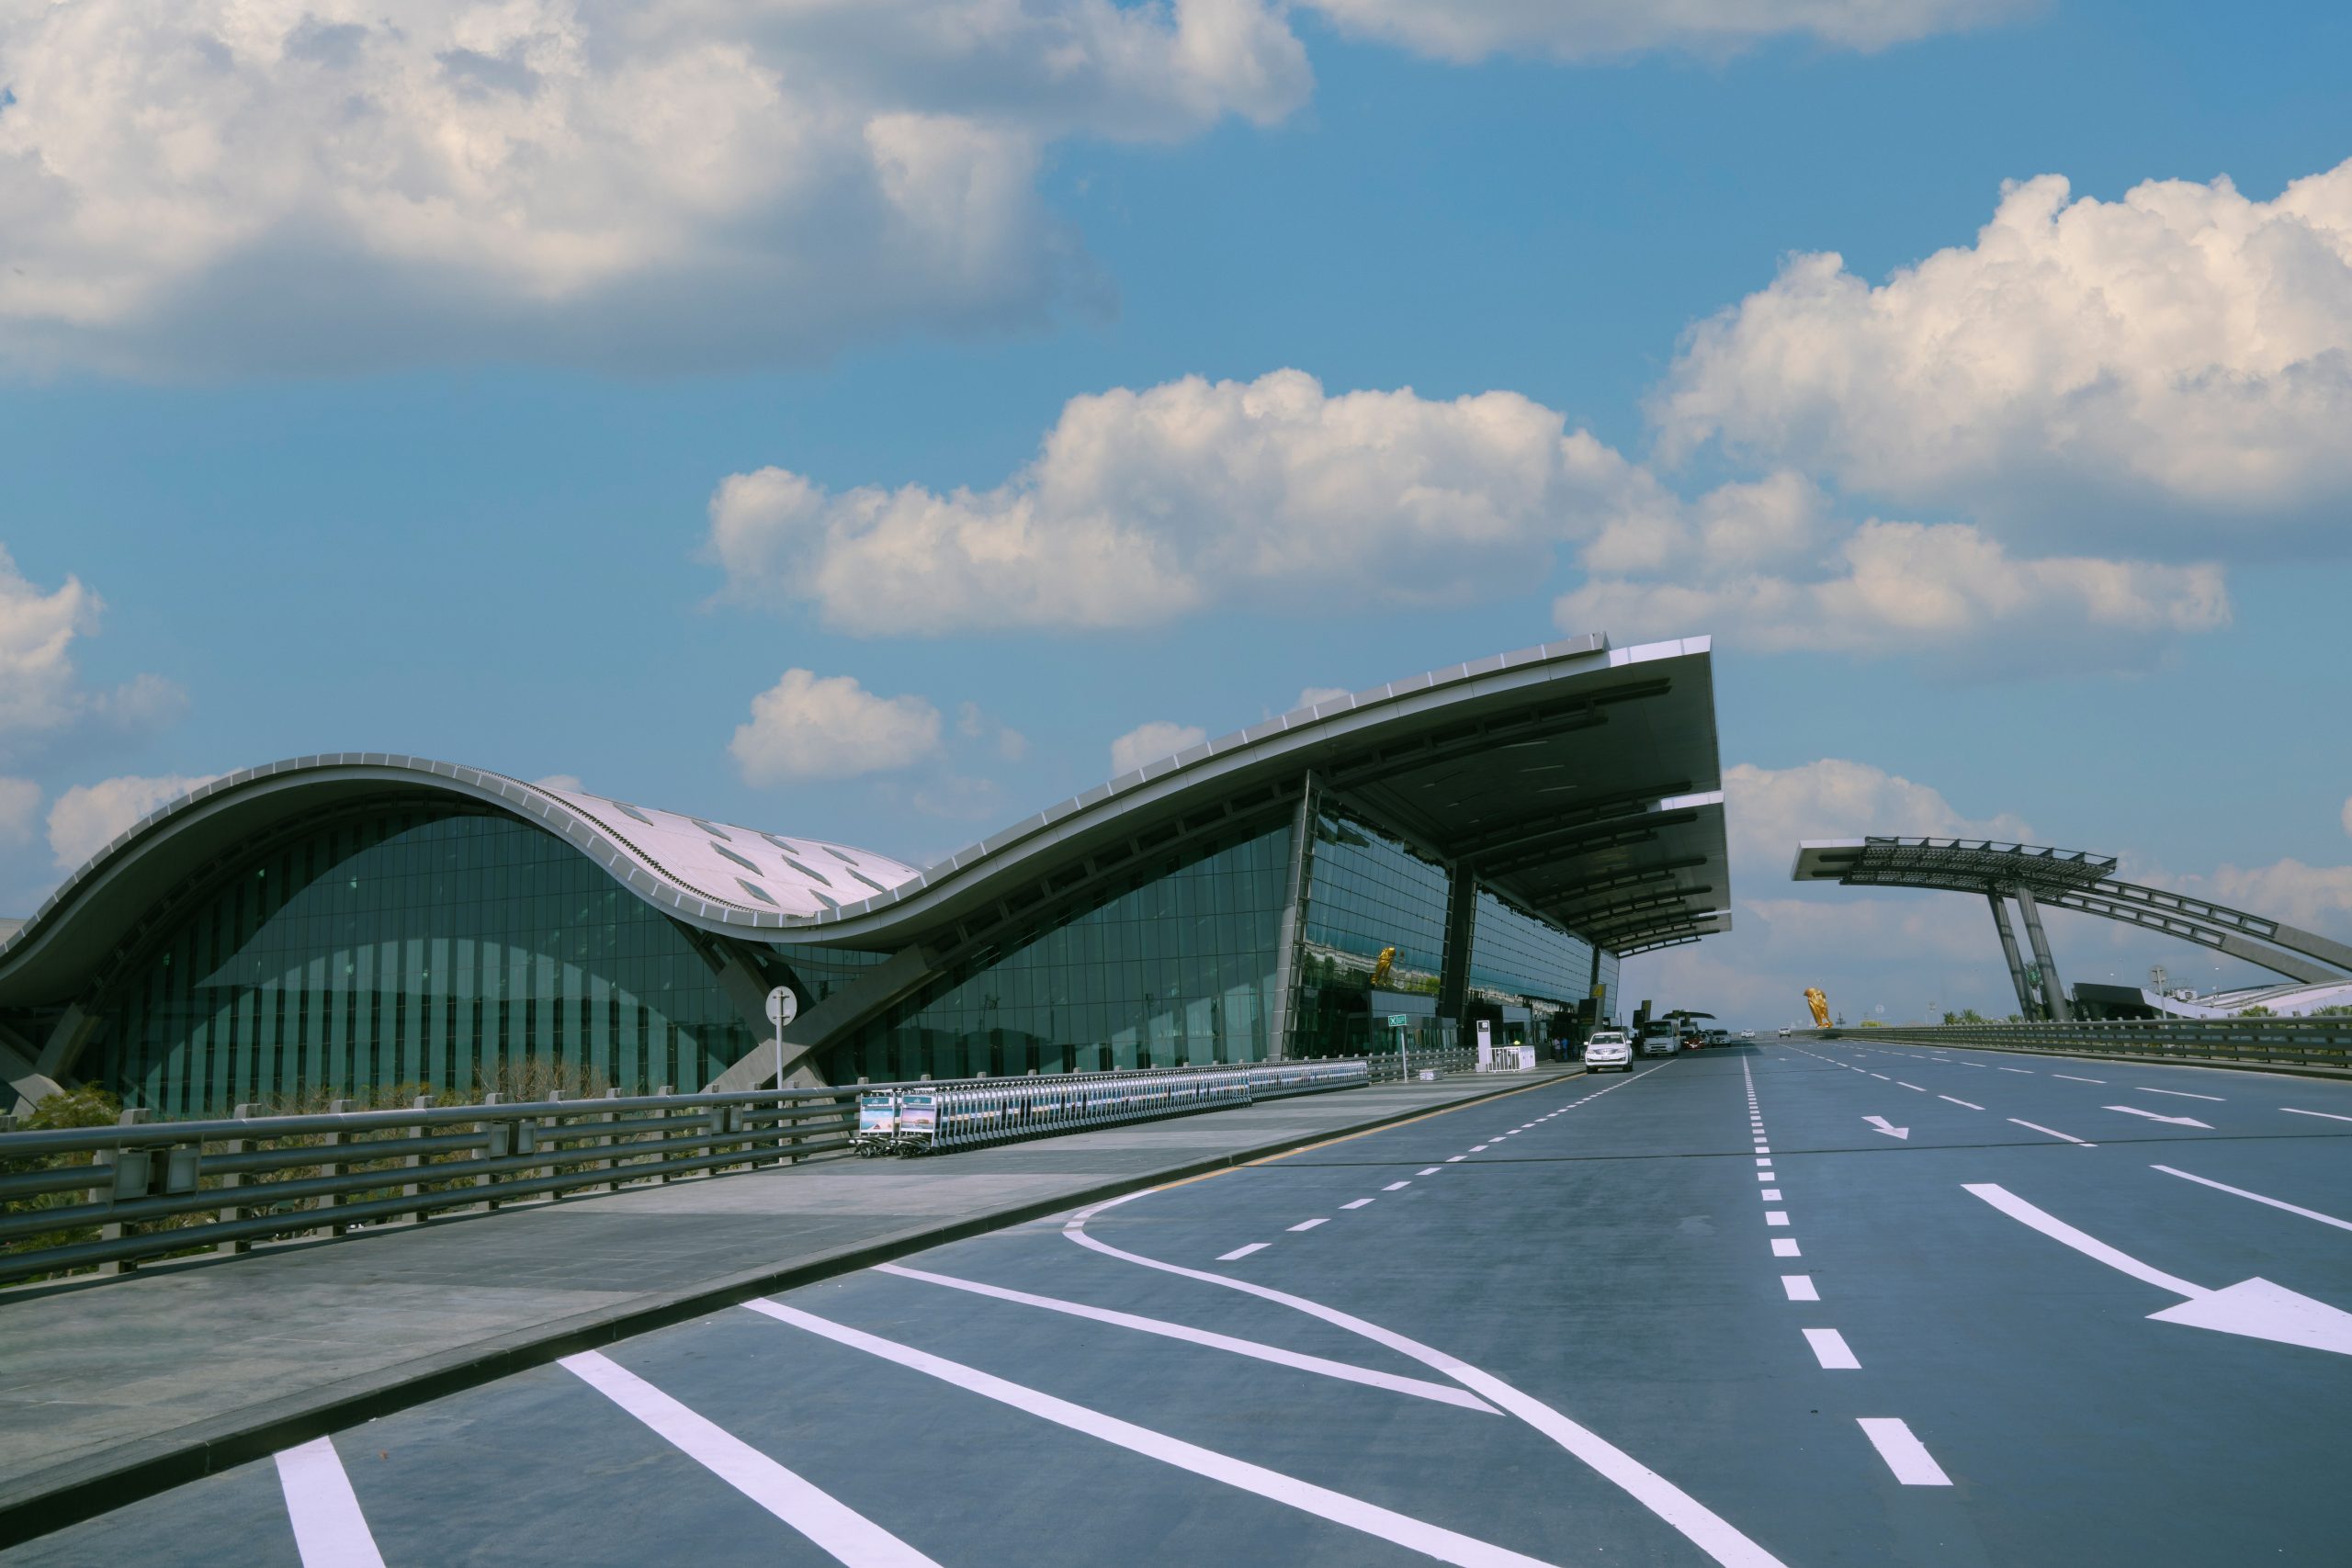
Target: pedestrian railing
[
  {"x": 158, "y": 1189},
  {"x": 2321, "y": 1043}
]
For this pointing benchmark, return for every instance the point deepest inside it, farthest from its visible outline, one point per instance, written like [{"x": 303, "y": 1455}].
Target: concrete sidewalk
[{"x": 114, "y": 1389}]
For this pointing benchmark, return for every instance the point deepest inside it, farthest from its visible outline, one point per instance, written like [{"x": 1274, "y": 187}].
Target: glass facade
[
  {"x": 415, "y": 947},
  {"x": 1518, "y": 953},
  {"x": 1176, "y": 969},
  {"x": 1369, "y": 891}
]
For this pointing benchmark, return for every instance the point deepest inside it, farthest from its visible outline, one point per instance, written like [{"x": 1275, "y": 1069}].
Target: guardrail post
[
  {"x": 335, "y": 1167},
  {"x": 231, "y": 1213},
  {"x": 127, "y": 1177},
  {"x": 493, "y": 1146},
  {"x": 411, "y": 1190},
  {"x": 661, "y": 1137},
  {"x": 612, "y": 1161}
]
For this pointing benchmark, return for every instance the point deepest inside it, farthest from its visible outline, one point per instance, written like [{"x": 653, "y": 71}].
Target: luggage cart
[
  {"x": 917, "y": 1123},
  {"x": 877, "y": 1125}
]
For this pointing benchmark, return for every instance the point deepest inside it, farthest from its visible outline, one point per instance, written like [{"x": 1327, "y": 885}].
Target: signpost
[
  {"x": 1397, "y": 1021},
  {"x": 782, "y": 1008}
]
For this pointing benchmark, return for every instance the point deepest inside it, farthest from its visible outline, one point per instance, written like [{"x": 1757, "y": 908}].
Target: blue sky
[{"x": 363, "y": 449}]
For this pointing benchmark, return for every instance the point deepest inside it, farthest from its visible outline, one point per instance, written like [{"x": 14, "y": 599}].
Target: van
[{"x": 1660, "y": 1038}]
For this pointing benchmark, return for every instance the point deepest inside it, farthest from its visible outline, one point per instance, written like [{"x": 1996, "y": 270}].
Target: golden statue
[
  {"x": 1380, "y": 970},
  {"x": 1818, "y": 1000}
]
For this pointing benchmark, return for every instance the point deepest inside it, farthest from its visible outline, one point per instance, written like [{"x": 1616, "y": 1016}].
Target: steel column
[
  {"x": 1461, "y": 937},
  {"x": 2053, "y": 991},
  {"x": 2027, "y": 1007},
  {"x": 1291, "y": 933}
]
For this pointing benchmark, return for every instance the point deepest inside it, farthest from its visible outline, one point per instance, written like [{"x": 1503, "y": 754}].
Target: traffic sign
[
  {"x": 1397, "y": 1020},
  {"x": 783, "y": 1006}
]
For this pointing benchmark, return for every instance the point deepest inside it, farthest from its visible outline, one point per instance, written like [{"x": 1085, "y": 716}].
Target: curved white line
[{"x": 1709, "y": 1531}]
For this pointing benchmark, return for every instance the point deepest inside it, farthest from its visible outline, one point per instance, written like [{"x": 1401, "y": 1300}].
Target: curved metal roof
[{"x": 1577, "y": 780}]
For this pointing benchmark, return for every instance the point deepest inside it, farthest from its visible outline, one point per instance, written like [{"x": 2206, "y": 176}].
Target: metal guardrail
[
  {"x": 2321, "y": 1043},
  {"x": 174, "y": 1187}
]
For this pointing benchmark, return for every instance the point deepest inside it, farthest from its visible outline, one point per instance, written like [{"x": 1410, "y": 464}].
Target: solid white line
[
  {"x": 1905, "y": 1454},
  {"x": 2055, "y": 1133},
  {"x": 2292, "y": 1111},
  {"x": 1711, "y": 1533},
  {"x": 2242, "y": 1192},
  {"x": 1396, "y": 1187},
  {"x": 1785, "y": 1246},
  {"x": 1799, "y": 1287},
  {"x": 837, "y": 1529},
  {"x": 2181, "y": 1093},
  {"x": 1302, "y": 1225},
  {"x": 1414, "y": 1535},
  {"x": 1241, "y": 1252},
  {"x": 1959, "y": 1103},
  {"x": 1441, "y": 1392},
  {"x": 329, "y": 1530},
  {"x": 1357, "y": 1204},
  {"x": 2072, "y": 1079},
  {"x": 1829, "y": 1349},
  {"x": 2059, "y": 1231}
]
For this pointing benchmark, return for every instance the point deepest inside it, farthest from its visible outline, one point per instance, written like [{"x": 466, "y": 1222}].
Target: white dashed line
[
  {"x": 1310, "y": 1225},
  {"x": 1776, "y": 1216},
  {"x": 2072, "y": 1079},
  {"x": 1239, "y": 1253},
  {"x": 1971, "y": 1105},
  {"x": 2181, "y": 1093},
  {"x": 2027, "y": 1071},
  {"x": 1430, "y": 1171},
  {"x": 1829, "y": 1349},
  {"x": 1766, "y": 1176},
  {"x": 1357, "y": 1204},
  {"x": 1770, "y": 1194},
  {"x": 2055, "y": 1132},
  {"x": 1799, "y": 1287},
  {"x": 2292, "y": 1111},
  {"x": 1763, "y": 1162},
  {"x": 1455, "y": 1159},
  {"x": 1396, "y": 1187},
  {"x": 329, "y": 1530},
  {"x": 1785, "y": 1246},
  {"x": 1910, "y": 1086},
  {"x": 1905, "y": 1454}
]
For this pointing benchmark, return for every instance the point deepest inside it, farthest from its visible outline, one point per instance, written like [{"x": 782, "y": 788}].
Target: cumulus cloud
[
  {"x": 38, "y": 688},
  {"x": 87, "y": 818},
  {"x": 2316, "y": 898},
  {"x": 2183, "y": 354},
  {"x": 305, "y": 184},
  {"x": 1143, "y": 506},
  {"x": 20, "y": 805},
  {"x": 1766, "y": 811},
  {"x": 1149, "y": 742},
  {"x": 832, "y": 727},
  {"x": 1466, "y": 31}
]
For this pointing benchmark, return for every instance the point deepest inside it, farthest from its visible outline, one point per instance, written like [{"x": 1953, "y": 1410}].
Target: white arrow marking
[
  {"x": 2176, "y": 1120},
  {"x": 2255, "y": 1308},
  {"x": 1880, "y": 1122}
]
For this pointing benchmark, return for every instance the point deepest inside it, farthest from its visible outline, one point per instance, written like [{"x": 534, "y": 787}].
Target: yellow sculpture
[
  {"x": 1818, "y": 1000},
  {"x": 1380, "y": 970}
]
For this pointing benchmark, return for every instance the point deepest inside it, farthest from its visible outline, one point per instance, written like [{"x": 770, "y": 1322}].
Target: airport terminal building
[{"x": 356, "y": 923}]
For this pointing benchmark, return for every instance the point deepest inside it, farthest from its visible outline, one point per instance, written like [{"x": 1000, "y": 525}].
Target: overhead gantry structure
[{"x": 2035, "y": 875}]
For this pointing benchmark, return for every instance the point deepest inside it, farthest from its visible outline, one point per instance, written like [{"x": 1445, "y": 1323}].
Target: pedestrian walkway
[{"x": 121, "y": 1385}]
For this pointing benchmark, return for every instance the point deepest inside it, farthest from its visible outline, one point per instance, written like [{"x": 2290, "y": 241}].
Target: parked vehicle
[
  {"x": 1719, "y": 1037},
  {"x": 1608, "y": 1048},
  {"x": 1660, "y": 1038},
  {"x": 1784, "y": 1031},
  {"x": 1747, "y": 1035}
]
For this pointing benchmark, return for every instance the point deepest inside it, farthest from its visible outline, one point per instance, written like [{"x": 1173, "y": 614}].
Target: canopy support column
[
  {"x": 1291, "y": 933},
  {"x": 2026, "y": 1004},
  {"x": 1461, "y": 935},
  {"x": 2053, "y": 992}
]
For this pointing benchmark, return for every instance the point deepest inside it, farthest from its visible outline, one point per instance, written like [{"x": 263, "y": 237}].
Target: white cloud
[
  {"x": 960, "y": 798},
  {"x": 1887, "y": 588},
  {"x": 558, "y": 781},
  {"x": 1149, "y": 742},
  {"x": 2183, "y": 355},
  {"x": 2316, "y": 898},
  {"x": 1315, "y": 696},
  {"x": 301, "y": 184},
  {"x": 1143, "y": 505},
  {"x": 87, "y": 818},
  {"x": 40, "y": 691},
  {"x": 19, "y": 804},
  {"x": 1767, "y": 810},
  {"x": 1466, "y": 31},
  {"x": 807, "y": 728}
]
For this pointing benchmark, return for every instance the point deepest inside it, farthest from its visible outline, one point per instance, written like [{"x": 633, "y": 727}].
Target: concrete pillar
[
  {"x": 1291, "y": 935},
  {"x": 1461, "y": 937},
  {"x": 2026, "y": 1004},
  {"x": 2053, "y": 991}
]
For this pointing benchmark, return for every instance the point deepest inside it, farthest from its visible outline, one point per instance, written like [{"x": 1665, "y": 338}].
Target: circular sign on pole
[{"x": 783, "y": 1006}]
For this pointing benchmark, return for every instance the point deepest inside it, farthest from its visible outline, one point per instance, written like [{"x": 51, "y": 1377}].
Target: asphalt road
[{"x": 1795, "y": 1303}]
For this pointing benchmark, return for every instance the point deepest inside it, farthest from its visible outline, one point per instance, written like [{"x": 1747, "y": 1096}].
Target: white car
[
  {"x": 1784, "y": 1031},
  {"x": 1747, "y": 1035},
  {"x": 1608, "y": 1048}
]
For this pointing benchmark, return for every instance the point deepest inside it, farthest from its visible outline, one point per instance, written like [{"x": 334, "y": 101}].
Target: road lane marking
[
  {"x": 1770, "y": 1194},
  {"x": 1799, "y": 1288},
  {"x": 2255, "y": 1307},
  {"x": 1477, "y": 1148},
  {"x": 1357, "y": 1204},
  {"x": 329, "y": 1530},
  {"x": 1972, "y": 1107},
  {"x": 1882, "y": 1077},
  {"x": 2292, "y": 1111},
  {"x": 2182, "y": 1093},
  {"x": 1763, "y": 1148},
  {"x": 1765, "y": 1162},
  {"x": 2072, "y": 1079},
  {"x": 1432, "y": 1170},
  {"x": 2242, "y": 1192},
  {"x": 2152, "y": 1116},
  {"x": 1905, "y": 1454},
  {"x": 1829, "y": 1349},
  {"x": 1455, "y": 1159},
  {"x": 2027, "y": 1071},
  {"x": 1785, "y": 1246},
  {"x": 1766, "y": 1176},
  {"x": 2055, "y": 1133},
  {"x": 1239, "y": 1253},
  {"x": 1396, "y": 1187},
  {"x": 839, "y": 1530},
  {"x": 1910, "y": 1086},
  {"x": 1776, "y": 1216},
  {"x": 1443, "y": 1393},
  {"x": 1414, "y": 1535},
  {"x": 1302, "y": 1225}
]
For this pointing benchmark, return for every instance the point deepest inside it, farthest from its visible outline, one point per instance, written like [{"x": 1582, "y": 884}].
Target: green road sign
[{"x": 1397, "y": 1020}]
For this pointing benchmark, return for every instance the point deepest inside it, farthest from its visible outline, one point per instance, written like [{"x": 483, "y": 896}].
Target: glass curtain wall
[
  {"x": 1176, "y": 970},
  {"x": 1520, "y": 954},
  {"x": 418, "y": 948},
  {"x": 1367, "y": 891}
]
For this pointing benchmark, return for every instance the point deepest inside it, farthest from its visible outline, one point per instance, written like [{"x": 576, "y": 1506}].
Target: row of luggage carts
[{"x": 919, "y": 1119}]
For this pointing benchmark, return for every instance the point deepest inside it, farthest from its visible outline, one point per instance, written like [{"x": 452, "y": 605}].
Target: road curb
[{"x": 64, "y": 1495}]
